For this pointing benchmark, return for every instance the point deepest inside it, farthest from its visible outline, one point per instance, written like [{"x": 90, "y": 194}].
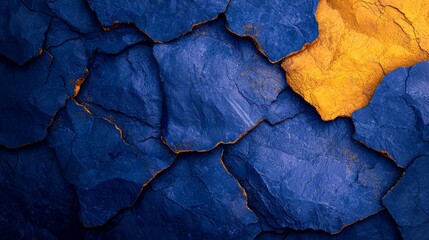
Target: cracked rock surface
[
  {"x": 161, "y": 20},
  {"x": 381, "y": 226},
  {"x": 359, "y": 42},
  {"x": 396, "y": 121},
  {"x": 196, "y": 198},
  {"x": 108, "y": 175},
  {"x": 216, "y": 85},
  {"x": 35, "y": 199},
  {"x": 22, "y": 31},
  {"x": 291, "y": 24},
  {"x": 304, "y": 173},
  {"x": 408, "y": 201},
  {"x": 172, "y": 119}
]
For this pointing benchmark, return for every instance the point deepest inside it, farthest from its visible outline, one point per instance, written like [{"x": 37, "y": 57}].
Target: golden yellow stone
[{"x": 359, "y": 42}]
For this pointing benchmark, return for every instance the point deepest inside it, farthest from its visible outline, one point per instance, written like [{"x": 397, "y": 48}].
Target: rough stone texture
[
  {"x": 23, "y": 120},
  {"x": 76, "y": 14},
  {"x": 278, "y": 27},
  {"x": 35, "y": 202},
  {"x": 304, "y": 173},
  {"x": 396, "y": 121},
  {"x": 32, "y": 94},
  {"x": 22, "y": 31},
  {"x": 161, "y": 20},
  {"x": 287, "y": 105},
  {"x": 378, "y": 227},
  {"x": 196, "y": 198},
  {"x": 216, "y": 86},
  {"x": 108, "y": 174},
  {"x": 408, "y": 201},
  {"x": 359, "y": 42}
]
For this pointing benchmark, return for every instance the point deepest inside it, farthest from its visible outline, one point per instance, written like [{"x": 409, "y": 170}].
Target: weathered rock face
[
  {"x": 408, "y": 201},
  {"x": 22, "y": 31},
  {"x": 161, "y": 20},
  {"x": 304, "y": 173},
  {"x": 32, "y": 94},
  {"x": 396, "y": 121},
  {"x": 278, "y": 27},
  {"x": 36, "y": 202},
  {"x": 196, "y": 198},
  {"x": 381, "y": 226},
  {"x": 109, "y": 133},
  {"x": 108, "y": 175},
  {"x": 359, "y": 42},
  {"x": 216, "y": 86}
]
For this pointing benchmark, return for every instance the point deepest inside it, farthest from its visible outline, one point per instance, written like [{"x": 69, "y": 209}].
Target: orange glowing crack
[{"x": 359, "y": 42}]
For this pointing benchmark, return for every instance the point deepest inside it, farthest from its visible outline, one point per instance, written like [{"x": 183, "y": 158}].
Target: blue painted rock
[
  {"x": 126, "y": 87},
  {"x": 396, "y": 121},
  {"x": 161, "y": 20},
  {"x": 216, "y": 85},
  {"x": 33, "y": 93},
  {"x": 278, "y": 27},
  {"x": 305, "y": 173},
  {"x": 287, "y": 105},
  {"x": 76, "y": 14},
  {"x": 408, "y": 201},
  {"x": 22, "y": 31},
  {"x": 381, "y": 226},
  {"x": 36, "y": 202},
  {"x": 194, "y": 199},
  {"x": 23, "y": 120},
  {"x": 108, "y": 173}
]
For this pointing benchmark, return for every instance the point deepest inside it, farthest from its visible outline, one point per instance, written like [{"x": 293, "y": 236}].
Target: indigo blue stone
[
  {"x": 22, "y": 31},
  {"x": 38, "y": 6},
  {"x": 36, "y": 202},
  {"x": 160, "y": 20},
  {"x": 216, "y": 85},
  {"x": 126, "y": 90},
  {"x": 304, "y": 173},
  {"x": 108, "y": 173},
  {"x": 110, "y": 42},
  {"x": 396, "y": 121},
  {"x": 287, "y": 105},
  {"x": 32, "y": 94},
  {"x": 408, "y": 201},
  {"x": 76, "y": 14},
  {"x": 278, "y": 27},
  {"x": 381, "y": 226},
  {"x": 127, "y": 84},
  {"x": 196, "y": 198},
  {"x": 27, "y": 101}
]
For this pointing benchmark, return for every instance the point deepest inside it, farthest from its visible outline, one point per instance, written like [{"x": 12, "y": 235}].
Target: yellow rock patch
[{"x": 359, "y": 42}]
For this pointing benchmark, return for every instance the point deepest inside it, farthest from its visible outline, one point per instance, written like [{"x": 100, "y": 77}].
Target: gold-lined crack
[
  {"x": 116, "y": 23},
  {"x": 216, "y": 145}
]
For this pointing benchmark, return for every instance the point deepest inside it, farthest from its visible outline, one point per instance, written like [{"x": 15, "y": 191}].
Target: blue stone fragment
[
  {"x": 196, "y": 198},
  {"x": 381, "y": 226},
  {"x": 396, "y": 121},
  {"x": 76, "y": 14},
  {"x": 287, "y": 105},
  {"x": 127, "y": 84},
  {"x": 278, "y": 27},
  {"x": 36, "y": 202},
  {"x": 108, "y": 173},
  {"x": 162, "y": 20},
  {"x": 408, "y": 201},
  {"x": 216, "y": 85},
  {"x": 25, "y": 113},
  {"x": 305, "y": 173},
  {"x": 32, "y": 94},
  {"x": 22, "y": 31}
]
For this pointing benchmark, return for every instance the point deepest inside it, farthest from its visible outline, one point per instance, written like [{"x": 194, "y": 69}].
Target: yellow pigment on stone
[{"x": 359, "y": 42}]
